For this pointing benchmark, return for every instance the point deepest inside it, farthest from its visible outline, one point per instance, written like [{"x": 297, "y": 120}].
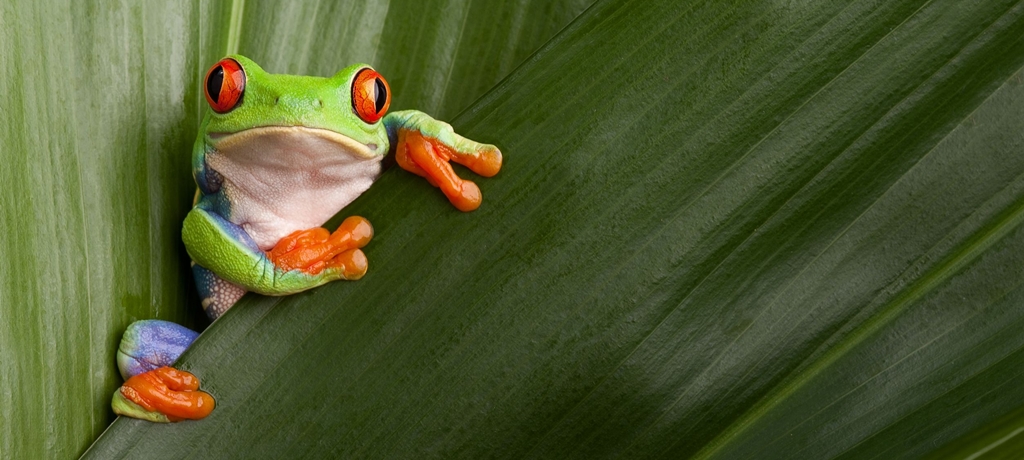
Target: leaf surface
[{"x": 723, "y": 230}]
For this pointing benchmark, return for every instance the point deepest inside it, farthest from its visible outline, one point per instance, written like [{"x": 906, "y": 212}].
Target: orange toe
[
  {"x": 354, "y": 232},
  {"x": 468, "y": 197},
  {"x": 488, "y": 163},
  {"x": 351, "y": 263}
]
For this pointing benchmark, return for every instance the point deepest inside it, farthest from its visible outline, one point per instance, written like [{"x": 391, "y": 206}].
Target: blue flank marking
[{"x": 217, "y": 206}]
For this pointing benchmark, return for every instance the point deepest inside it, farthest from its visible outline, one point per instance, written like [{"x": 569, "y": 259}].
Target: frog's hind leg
[
  {"x": 152, "y": 389},
  {"x": 216, "y": 293},
  {"x": 151, "y": 344}
]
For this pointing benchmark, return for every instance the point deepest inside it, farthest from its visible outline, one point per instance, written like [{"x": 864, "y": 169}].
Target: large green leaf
[
  {"x": 724, "y": 229},
  {"x": 99, "y": 106}
]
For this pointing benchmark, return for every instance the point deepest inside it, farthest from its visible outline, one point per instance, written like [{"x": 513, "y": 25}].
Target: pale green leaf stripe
[
  {"x": 996, "y": 444},
  {"x": 235, "y": 26}
]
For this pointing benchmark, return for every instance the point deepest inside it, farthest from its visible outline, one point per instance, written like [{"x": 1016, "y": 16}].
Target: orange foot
[
  {"x": 429, "y": 158},
  {"x": 170, "y": 392},
  {"x": 315, "y": 249}
]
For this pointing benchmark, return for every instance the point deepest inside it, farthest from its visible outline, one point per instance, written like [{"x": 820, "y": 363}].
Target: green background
[{"x": 723, "y": 229}]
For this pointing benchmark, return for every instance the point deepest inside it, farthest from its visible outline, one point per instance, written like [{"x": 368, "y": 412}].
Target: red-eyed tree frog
[{"x": 277, "y": 156}]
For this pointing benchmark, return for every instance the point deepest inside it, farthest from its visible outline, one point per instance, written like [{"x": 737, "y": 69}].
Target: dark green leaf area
[{"x": 729, "y": 230}]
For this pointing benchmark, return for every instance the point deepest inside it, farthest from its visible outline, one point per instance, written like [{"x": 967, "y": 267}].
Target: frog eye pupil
[
  {"x": 214, "y": 83},
  {"x": 382, "y": 94}
]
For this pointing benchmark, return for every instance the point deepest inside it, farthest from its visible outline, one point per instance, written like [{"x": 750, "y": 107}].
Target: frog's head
[{"x": 248, "y": 105}]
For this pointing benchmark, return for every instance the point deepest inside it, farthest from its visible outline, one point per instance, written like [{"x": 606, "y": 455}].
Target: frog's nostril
[
  {"x": 277, "y": 99},
  {"x": 319, "y": 103}
]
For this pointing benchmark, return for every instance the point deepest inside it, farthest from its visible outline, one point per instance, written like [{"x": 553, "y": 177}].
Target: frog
[{"x": 275, "y": 157}]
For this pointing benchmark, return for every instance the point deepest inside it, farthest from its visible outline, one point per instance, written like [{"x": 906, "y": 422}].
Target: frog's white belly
[{"x": 283, "y": 179}]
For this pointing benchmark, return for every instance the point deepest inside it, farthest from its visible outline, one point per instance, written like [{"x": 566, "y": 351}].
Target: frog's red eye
[
  {"x": 371, "y": 96},
  {"x": 225, "y": 85}
]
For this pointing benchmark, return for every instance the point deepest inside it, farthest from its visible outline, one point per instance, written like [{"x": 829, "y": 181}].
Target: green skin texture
[{"x": 288, "y": 100}]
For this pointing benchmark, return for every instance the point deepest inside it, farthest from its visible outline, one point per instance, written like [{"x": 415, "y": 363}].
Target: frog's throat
[
  {"x": 228, "y": 141},
  {"x": 278, "y": 180}
]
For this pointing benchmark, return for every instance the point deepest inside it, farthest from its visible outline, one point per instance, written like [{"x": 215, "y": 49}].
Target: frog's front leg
[
  {"x": 424, "y": 146},
  {"x": 300, "y": 261},
  {"x": 311, "y": 251}
]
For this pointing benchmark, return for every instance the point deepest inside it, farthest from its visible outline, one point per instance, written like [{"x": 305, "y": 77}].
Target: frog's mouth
[
  {"x": 231, "y": 141},
  {"x": 280, "y": 179}
]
